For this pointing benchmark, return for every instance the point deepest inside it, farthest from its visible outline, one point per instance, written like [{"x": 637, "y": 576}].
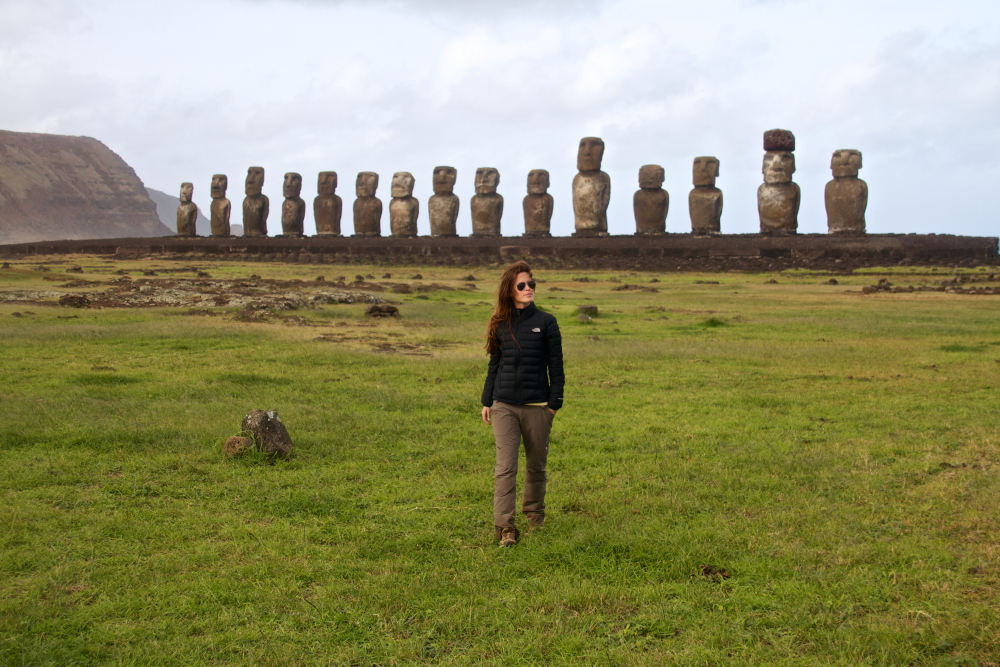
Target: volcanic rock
[{"x": 268, "y": 432}]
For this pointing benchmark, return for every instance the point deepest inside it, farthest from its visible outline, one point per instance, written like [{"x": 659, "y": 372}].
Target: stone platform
[{"x": 664, "y": 253}]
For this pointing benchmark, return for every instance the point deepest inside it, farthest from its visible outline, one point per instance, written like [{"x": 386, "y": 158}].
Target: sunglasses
[{"x": 530, "y": 283}]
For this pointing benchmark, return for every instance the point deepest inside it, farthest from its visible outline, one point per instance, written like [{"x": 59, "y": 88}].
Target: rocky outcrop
[{"x": 59, "y": 187}]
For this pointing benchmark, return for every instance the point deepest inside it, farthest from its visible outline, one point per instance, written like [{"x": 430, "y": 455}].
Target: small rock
[
  {"x": 74, "y": 269},
  {"x": 417, "y": 277},
  {"x": 74, "y": 301},
  {"x": 369, "y": 277},
  {"x": 832, "y": 281},
  {"x": 387, "y": 275},
  {"x": 149, "y": 273},
  {"x": 359, "y": 278},
  {"x": 236, "y": 445},
  {"x": 320, "y": 279},
  {"x": 6, "y": 265},
  {"x": 203, "y": 274},
  {"x": 869, "y": 289},
  {"x": 771, "y": 281},
  {"x": 121, "y": 272},
  {"x": 587, "y": 309},
  {"x": 469, "y": 278},
  {"x": 582, "y": 318},
  {"x": 268, "y": 432},
  {"x": 15, "y": 314},
  {"x": 654, "y": 280},
  {"x": 376, "y": 310}
]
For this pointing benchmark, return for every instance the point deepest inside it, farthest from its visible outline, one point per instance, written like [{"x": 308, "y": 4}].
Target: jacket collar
[{"x": 526, "y": 311}]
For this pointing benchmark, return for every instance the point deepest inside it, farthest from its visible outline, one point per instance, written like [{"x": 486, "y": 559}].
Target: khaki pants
[{"x": 510, "y": 424}]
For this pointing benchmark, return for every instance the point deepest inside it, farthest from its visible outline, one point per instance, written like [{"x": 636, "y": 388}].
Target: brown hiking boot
[
  {"x": 536, "y": 521},
  {"x": 508, "y": 537}
]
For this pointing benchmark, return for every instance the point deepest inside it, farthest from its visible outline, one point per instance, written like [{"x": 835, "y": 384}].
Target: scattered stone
[
  {"x": 469, "y": 278},
  {"x": 149, "y": 273},
  {"x": 582, "y": 318},
  {"x": 74, "y": 269},
  {"x": 386, "y": 276},
  {"x": 654, "y": 280},
  {"x": 587, "y": 309},
  {"x": 6, "y": 265},
  {"x": 236, "y": 445},
  {"x": 74, "y": 301},
  {"x": 359, "y": 278},
  {"x": 15, "y": 314},
  {"x": 832, "y": 281},
  {"x": 203, "y": 274},
  {"x": 268, "y": 432},
  {"x": 771, "y": 281},
  {"x": 417, "y": 277},
  {"x": 378, "y": 311},
  {"x": 320, "y": 279},
  {"x": 869, "y": 289}
]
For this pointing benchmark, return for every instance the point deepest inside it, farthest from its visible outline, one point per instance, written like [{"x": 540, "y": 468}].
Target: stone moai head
[
  {"x": 487, "y": 180},
  {"x": 651, "y": 177},
  {"x": 187, "y": 189},
  {"x": 590, "y": 154},
  {"x": 444, "y": 180},
  {"x": 705, "y": 170},
  {"x": 845, "y": 163},
  {"x": 255, "y": 181},
  {"x": 293, "y": 185},
  {"x": 402, "y": 184},
  {"x": 538, "y": 182},
  {"x": 367, "y": 184},
  {"x": 778, "y": 167},
  {"x": 220, "y": 183},
  {"x": 326, "y": 185}
]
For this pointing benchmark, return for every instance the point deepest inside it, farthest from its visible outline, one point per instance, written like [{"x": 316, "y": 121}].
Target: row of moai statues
[{"x": 778, "y": 199}]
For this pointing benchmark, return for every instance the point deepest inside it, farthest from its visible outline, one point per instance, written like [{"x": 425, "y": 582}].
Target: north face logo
[{"x": 537, "y": 330}]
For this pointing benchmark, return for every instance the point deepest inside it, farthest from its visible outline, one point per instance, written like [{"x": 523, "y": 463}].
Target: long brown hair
[{"x": 503, "y": 312}]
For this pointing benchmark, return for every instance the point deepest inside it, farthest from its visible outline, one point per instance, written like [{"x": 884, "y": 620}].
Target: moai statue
[
  {"x": 442, "y": 207},
  {"x": 705, "y": 200},
  {"x": 403, "y": 209},
  {"x": 327, "y": 206},
  {"x": 367, "y": 208},
  {"x": 293, "y": 210},
  {"x": 221, "y": 208},
  {"x": 187, "y": 212},
  {"x": 538, "y": 204},
  {"x": 778, "y": 198},
  {"x": 591, "y": 190},
  {"x": 846, "y": 194},
  {"x": 256, "y": 206},
  {"x": 650, "y": 202},
  {"x": 486, "y": 204}
]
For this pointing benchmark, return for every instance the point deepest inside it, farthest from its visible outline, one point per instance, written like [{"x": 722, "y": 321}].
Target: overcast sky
[{"x": 185, "y": 89}]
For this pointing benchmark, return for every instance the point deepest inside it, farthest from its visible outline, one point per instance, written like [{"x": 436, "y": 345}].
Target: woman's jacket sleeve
[
  {"x": 491, "y": 377},
  {"x": 557, "y": 379}
]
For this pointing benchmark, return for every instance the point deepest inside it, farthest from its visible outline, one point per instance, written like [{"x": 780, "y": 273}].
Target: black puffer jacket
[{"x": 530, "y": 369}]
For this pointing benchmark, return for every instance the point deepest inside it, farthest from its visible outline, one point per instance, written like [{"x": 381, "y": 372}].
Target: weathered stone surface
[
  {"x": 705, "y": 200},
  {"x": 383, "y": 310},
  {"x": 846, "y": 196},
  {"x": 187, "y": 212},
  {"x": 779, "y": 140},
  {"x": 538, "y": 205},
  {"x": 651, "y": 202},
  {"x": 582, "y": 318},
  {"x": 59, "y": 187},
  {"x": 221, "y": 208},
  {"x": 236, "y": 445},
  {"x": 256, "y": 206},
  {"x": 268, "y": 432},
  {"x": 404, "y": 209},
  {"x": 293, "y": 209},
  {"x": 778, "y": 198},
  {"x": 486, "y": 204},
  {"x": 591, "y": 189},
  {"x": 74, "y": 301},
  {"x": 367, "y": 207},
  {"x": 442, "y": 207},
  {"x": 327, "y": 206},
  {"x": 587, "y": 309}
]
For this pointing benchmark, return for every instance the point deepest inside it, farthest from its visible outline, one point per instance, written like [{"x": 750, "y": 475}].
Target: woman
[{"x": 523, "y": 390}]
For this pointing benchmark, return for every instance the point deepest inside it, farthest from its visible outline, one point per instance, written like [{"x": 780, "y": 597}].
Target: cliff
[{"x": 59, "y": 187}]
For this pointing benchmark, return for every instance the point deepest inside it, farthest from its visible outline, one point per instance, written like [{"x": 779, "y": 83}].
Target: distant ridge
[{"x": 56, "y": 187}]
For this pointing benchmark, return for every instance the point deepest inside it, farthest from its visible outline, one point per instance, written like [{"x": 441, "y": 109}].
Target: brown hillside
[{"x": 58, "y": 187}]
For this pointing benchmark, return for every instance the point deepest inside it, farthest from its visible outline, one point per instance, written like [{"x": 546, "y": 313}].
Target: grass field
[{"x": 744, "y": 474}]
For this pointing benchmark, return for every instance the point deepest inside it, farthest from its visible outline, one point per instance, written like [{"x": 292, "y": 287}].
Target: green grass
[{"x": 836, "y": 455}]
